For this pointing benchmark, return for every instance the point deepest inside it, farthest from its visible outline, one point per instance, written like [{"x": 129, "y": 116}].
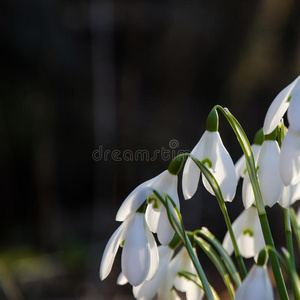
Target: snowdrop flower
[
  {"x": 248, "y": 234},
  {"x": 268, "y": 174},
  {"x": 156, "y": 214},
  {"x": 148, "y": 289},
  {"x": 139, "y": 256},
  {"x": 288, "y": 96},
  {"x": 210, "y": 151},
  {"x": 240, "y": 165},
  {"x": 257, "y": 284},
  {"x": 179, "y": 264},
  {"x": 289, "y": 159}
]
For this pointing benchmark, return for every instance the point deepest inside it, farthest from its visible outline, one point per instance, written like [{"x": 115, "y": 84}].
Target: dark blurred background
[{"x": 78, "y": 78}]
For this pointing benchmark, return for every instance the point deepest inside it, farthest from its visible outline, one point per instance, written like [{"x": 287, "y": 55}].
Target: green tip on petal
[
  {"x": 176, "y": 165},
  {"x": 272, "y": 136},
  {"x": 142, "y": 208},
  {"x": 262, "y": 258},
  {"x": 212, "y": 123},
  {"x": 259, "y": 137}
]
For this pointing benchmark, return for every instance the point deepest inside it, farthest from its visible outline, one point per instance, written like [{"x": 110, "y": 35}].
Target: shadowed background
[{"x": 80, "y": 79}]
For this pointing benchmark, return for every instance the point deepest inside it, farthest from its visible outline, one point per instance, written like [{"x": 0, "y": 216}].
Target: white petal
[
  {"x": 154, "y": 258},
  {"x": 136, "y": 255},
  {"x": 294, "y": 109},
  {"x": 289, "y": 158},
  {"x": 286, "y": 199},
  {"x": 122, "y": 279},
  {"x": 152, "y": 218},
  {"x": 295, "y": 192},
  {"x": 136, "y": 198},
  {"x": 190, "y": 178},
  {"x": 247, "y": 192},
  {"x": 268, "y": 173},
  {"x": 148, "y": 289},
  {"x": 248, "y": 234},
  {"x": 256, "y": 286},
  {"x": 165, "y": 232},
  {"x": 278, "y": 108},
  {"x": 222, "y": 165},
  {"x": 110, "y": 251}
]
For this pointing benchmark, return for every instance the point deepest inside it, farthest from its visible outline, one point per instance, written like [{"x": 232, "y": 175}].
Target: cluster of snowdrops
[{"x": 270, "y": 169}]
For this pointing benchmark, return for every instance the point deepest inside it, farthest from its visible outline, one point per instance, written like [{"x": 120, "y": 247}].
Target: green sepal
[
  {"x": 176, "y": 165},
  {"x": 212, "y": 122},
  {"x": 272, "y": 136},
  {"x": 142, "y": 208},
  {"x": 262, "y": 258},
  {"x": 259, "y": 137}
]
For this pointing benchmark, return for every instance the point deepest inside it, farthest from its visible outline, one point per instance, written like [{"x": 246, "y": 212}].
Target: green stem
[
  {"x": 295, "y": 226},
  {"x": 237, "y": 252},
  {"x": 288, "y": 234},
  {"x": 290, "y": 246}
]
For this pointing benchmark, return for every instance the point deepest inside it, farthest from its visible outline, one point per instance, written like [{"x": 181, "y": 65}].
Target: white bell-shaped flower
[
  {"x": 156, "y": 215},
  {"x": 148, "y": 289},
  {"x": 279, "y": 106},
  {"x": 139, "y": 256},
  {"x": 289, "y": 158},
  {"x": 248, "y": 233},
  {"x": 257, "y": 285},
  {"x": 193, "y": 292},
  {"x": 162, "y": 183},
  {"x": 211, "y": 152}
]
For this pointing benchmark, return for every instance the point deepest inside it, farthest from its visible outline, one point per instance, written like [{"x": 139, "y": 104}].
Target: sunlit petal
[
  {"x": 190, "y": 178},
  {"x": 294, "y": 109},
  {"x": 136, "y": 255},
  {"x": 110, "y": 251},
  {"x": 247, "y": 192},
  {"x": 268, "y": 173},
  {"x": 289, "y": 158},
  {"x": 256, "y": 286},
  {"x": 148, "y": 289},
  {"x": 278, "y": 108}
]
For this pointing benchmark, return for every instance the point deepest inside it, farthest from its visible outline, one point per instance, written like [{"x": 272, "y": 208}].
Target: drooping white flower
[
  {"x": 156, "y": 213},
  {"x": 162, "y": 183},
  {"x": 248, "y": 233},
  {"x": 257, "y": 285},
  {"x": 280, "y": 105},
  {"x": 289, "y": 158},
  {"x": 182, "y": 284},
  {"x": 139, "y": 256},
  {"x": 179, "y": 264},
  {"x": 148, "y": 289},
  {"x": 211, "y": 152}
]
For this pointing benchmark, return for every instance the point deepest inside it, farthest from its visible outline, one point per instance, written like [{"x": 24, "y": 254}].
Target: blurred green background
[{"x": 81, "y": 77}]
